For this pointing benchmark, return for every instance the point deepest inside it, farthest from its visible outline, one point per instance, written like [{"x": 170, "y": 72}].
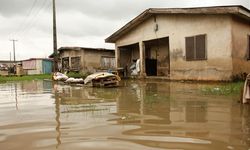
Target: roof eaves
[
  {"x": 233, "y": 10},
  {"x": 69, "y": 48},
  {"x": 244, "y": 12},
  {"x": 82, "y": 48}
]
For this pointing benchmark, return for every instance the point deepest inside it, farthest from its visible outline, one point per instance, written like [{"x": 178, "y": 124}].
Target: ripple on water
[
  {"x": 2, "y": 137},
  {"x": 142, "y": 115}
]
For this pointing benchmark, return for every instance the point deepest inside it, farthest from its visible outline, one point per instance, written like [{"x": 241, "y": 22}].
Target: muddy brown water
[{"x": 139, "y": 115}]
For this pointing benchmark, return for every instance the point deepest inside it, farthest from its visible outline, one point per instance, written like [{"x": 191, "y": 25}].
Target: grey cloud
[
  {"x": 79, "y": 22},
  {"x": 19, "y": 7},
  {"x": 110, "y": 9},
  {"x": 79, "y": 25}
]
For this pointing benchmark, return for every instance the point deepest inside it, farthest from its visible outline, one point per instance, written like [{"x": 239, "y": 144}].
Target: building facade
[
  {"x": 210, "y": 43},
  {"x": 35, "y": 66},
  {"x": 82, "y": 59}
]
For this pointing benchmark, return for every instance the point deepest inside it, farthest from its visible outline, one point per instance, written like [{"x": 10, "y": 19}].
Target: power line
[
  {"x": 29, "y": 12},
  {"x": 33, "y": 19},
  {"x": 22, "y": 24},
  {"x": 33, "y": 5}
]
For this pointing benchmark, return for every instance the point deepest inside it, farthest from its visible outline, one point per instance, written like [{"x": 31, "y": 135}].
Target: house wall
[
  {"x": 240, "y": 33},
  {"x": 218, "y": 65},
  {"x": 90, "y": 59},
  {"x": 73, "y": 53},
  {"x": 38, "y": 70},
  {"x": 4, "y": 72}
]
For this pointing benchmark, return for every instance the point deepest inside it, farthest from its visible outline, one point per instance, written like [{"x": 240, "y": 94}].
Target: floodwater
[{"x": 139, "y": 115}]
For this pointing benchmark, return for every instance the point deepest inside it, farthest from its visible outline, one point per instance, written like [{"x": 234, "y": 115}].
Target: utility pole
[
  {"x": 55, "y": 69},
  {"x": 14, "y": 51},
  {"x": 10, "y": 56}
]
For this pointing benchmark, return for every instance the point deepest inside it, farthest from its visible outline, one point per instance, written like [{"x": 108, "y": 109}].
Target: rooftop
[
  {"x": 83, "y": 48},
  {"x": 238, "y": 11},
  {"x": 38, "y": 59}
]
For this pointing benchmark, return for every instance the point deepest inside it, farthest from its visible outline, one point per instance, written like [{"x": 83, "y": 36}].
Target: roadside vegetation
[
  {"x": 39, "y": 77},
  {"x": 24, "y": 78},
  {"x": 231, "y": 88}
]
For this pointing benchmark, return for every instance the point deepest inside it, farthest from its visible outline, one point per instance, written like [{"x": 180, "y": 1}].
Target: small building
[
  {"x": 83, "y": 59},
  {"x": 35, "y": 66},
  {"x": 8, "y": 67},
  {"x": 8, "y": 63},
  {"x": 205, "y": 43}
]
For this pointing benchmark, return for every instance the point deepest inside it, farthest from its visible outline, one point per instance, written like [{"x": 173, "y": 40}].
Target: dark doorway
[
  {"x": 151, "y": 65},
  {"x": 157, "y": 56}
]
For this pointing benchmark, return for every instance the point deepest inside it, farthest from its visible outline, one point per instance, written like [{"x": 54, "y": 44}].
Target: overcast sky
[{"x": 84, "y": 23}]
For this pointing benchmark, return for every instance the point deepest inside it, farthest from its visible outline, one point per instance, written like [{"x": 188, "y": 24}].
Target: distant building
[
  {"x": 35, "y": 66},
  {"x": 8, "y": 67},
  {"x": 207, "y": 43},
  {"x": 84, "y": 59},
  {"x": 8, "y": 63}
]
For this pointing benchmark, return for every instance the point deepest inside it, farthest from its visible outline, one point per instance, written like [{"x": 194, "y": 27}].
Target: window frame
[
  {"x": 64, "y": 66},
  {"x": 71, "y": 64},
  {"x": 106, "y": 67},
  {"x": 195, "y": 48}
]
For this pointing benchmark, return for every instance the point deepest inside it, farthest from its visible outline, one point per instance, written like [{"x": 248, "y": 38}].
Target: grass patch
[
  {"x": 225, "y": 89},
  {"x": 24, "y": 78}
]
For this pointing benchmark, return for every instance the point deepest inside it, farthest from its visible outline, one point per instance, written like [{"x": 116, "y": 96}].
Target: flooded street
[{"x": 138, "y": 116}]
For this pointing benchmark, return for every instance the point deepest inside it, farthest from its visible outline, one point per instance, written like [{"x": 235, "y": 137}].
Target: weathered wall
[
  {"x": 218, "y": 65},
  {"x": 163, "y": 65},
  {"x": 90, "y": 59},
  {"x": 38, "y": 70},
  {"x": 4, "y": 73},
  {"x": 73, "y": 53},
  {"x": 240, "y": 33}
]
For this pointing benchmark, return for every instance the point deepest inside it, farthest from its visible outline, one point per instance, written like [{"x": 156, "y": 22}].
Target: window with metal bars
[
  {"x": 75, "y": 63},
  {"x": 196, "y": 48}
]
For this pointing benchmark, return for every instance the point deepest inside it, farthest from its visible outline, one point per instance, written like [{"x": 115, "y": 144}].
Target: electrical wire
[
  {"x": 22, "y": 24},
  {"x": 34, "y": 18}
]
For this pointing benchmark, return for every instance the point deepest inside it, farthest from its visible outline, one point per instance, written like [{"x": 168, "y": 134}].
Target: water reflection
[
  {"x": 16, "y": 96},
  {"x": 178, "y": 110},
  {"x": 58, "y": 122},
  {"x": 139, "y": 114}
]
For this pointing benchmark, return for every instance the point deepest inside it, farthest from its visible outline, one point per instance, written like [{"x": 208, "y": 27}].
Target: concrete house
[
  {"x": 35, "y": 66},
  {"x": 206, "y": 43},
  {"x": 85, "y": 59}
]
